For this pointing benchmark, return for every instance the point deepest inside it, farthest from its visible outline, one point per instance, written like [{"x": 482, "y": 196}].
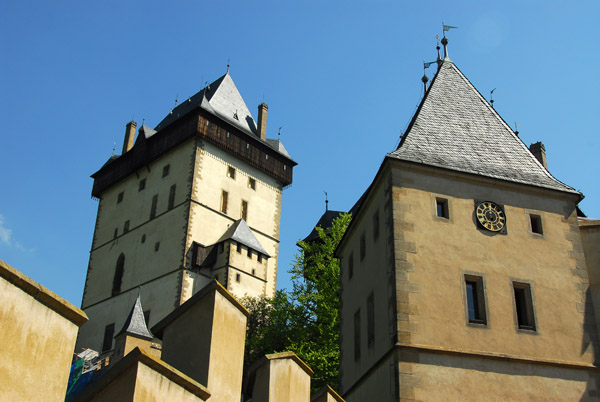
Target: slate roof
[
  {"x": 241, "y": 233},
  {"x": 455, "y": 128},
  {"x": 136, "y": 323},
  {"x": 326, "y": 222}
]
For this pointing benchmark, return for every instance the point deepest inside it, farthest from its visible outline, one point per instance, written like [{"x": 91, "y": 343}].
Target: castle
[{"x": 468, "y": 271}]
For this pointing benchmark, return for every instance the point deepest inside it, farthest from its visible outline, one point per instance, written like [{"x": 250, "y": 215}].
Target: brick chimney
[
  {"x": 262, "y": 121},
  {"x": 539, "y": 151},
  {"x": 129, "y": 136}
]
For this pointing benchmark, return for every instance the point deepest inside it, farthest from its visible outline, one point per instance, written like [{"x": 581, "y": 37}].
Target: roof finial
[
  {"x": 114, "y": 147},
  {"x": 228, "y": 65},
  {"x": 492, "y": 97},
  {"x": 445, "y": 40},
  {"x": 326, "y": 202},
  {"x": 439, "y": 57},
  {"x": 279, "y": 133},
  {"x": 425, "y": 78},
  {"x": 516, "y": 129}
]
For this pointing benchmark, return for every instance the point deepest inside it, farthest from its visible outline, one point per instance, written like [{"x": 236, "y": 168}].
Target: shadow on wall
[{"x": 590, "y": 338}]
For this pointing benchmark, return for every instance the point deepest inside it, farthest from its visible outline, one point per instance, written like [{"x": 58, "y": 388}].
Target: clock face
[{"x": 490, "y": 216}]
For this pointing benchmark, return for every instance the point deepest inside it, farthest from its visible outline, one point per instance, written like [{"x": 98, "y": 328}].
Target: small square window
[
  {"x": 475, "y": 299},
  {"x": 142, "y": 185},
  {"x": 259, "y": 257},
  {"x": 238, "y": 277},
  {"x": 166, "y": 170},
  {"x": 251, "y": 183},
  {"x": 156, "y": 246},
  {"x": 524, "y": 306},
  {"x": 120, "y": 197},
  {"x": 239, "y": 248},
  {"x": 231, "y": 172},
  {"x": 363, "y": 246},
  {"x": 536, "y": 224},
  {"x": 442, "y": 208},
  {"x": 350, "y": 266},
  {"x": 126, "y": 227}
]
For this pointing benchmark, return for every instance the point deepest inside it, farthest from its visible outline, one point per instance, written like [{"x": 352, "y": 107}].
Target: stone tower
[{"x": 195, "y": 199}]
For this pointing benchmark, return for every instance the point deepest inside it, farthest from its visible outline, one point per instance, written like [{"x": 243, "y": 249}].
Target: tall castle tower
[
  {"x": 195, "y": 199},
  {"x": 463, "y": 272}
]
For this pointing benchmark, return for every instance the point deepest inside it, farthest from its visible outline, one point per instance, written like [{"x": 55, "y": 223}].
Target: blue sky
[{"x": 342, "y": 78}]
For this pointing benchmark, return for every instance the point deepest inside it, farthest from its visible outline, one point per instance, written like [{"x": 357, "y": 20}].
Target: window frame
[
  {"x": 172, "y": 191},
  {"x": 536, "y": 228},
  {"x": 480, "y": 308},
  {"x": 371, "y": 319},
  {"x": 142, "y": 185},
  {"x": 442, "y": 208},
  {"x": 252, "y": 183},
  {"x": 244, "y": 210},
  {"x": 224, "y": 201},
  {"x": 357, "y": 340},
  {"x": 166, "y": 170},
  {"x": 231, "y": 172},
  {"x": 525, "y": 288}
]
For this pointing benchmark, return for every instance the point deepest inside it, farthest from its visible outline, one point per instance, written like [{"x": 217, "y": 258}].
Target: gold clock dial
[{"x": 490, "y": 216}]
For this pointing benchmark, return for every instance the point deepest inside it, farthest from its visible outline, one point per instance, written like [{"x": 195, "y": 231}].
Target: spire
[
  {"x": 135, "y": 324},
  {"x": 439, "y": 57},
  {"x": 326, "y": 202}
]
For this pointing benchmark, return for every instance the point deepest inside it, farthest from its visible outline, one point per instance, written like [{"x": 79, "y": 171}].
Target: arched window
[{"x": 118, "y": 279}]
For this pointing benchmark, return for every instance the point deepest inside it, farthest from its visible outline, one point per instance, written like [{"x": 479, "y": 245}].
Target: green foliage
[{"x": 305, "y": 319}]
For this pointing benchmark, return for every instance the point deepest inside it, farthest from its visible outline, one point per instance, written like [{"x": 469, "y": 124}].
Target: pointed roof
[
  {"x": 455, "y": 128},
  {"x": 135, "y": 324},
  {"x": 326, "y": 222},
  {"x": 220, "y": 98},
  {"x": 241, "y": 233}
]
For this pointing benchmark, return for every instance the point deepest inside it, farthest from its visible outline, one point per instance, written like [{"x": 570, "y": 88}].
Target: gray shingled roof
[
  {"x": 136, "y": 323},
  {"x": 241, "y": 233},
  {"x": 222, "y": 99},
  {"x": 456, "y": 128}
]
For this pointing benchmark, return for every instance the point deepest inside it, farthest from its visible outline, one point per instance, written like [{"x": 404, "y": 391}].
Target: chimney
[
  {"x": 539, "y": 151},
  {"x": 262, "y": 121},
  {"x": 129, "y": 136}
]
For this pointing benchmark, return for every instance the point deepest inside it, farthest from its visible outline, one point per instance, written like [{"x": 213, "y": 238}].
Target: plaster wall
[
  {"x": 253, "y": 274},
  {"x": 36, "y": 348},
  {"x": 590, "y": 238},
  {"x": 378, "y": 385},
  {"x": 286, "y": 380}
]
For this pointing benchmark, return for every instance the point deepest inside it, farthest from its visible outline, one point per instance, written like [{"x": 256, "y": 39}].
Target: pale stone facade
[
  {"x": 38, "y": 331},
  {"x": 165, "y": 207}
]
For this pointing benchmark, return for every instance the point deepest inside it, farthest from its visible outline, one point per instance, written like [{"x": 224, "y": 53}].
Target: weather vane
[
  {"x": 492, "y": 97},
  {"x": 326, "y": 202}
]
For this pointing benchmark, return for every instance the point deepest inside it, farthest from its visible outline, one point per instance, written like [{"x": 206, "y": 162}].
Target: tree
[{"x": 304, "y": 320}]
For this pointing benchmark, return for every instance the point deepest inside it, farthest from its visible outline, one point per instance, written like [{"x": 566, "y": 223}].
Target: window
[
  {"x": 536, "y": 224},
  {"x": 120, "y": 197},
  {"x": 238, "y": 277},
  {"x": 524, "y": 306},
  {"x": 231, "y": 172},
  {"x": 376, "y": 225},
  {"x": 442, "y": 208},
  {"x": 166, "y": 170},
  {"x": 253, "y": 271},
  {"x": 118, "y": 277},
  {"x": 245, "y": 210},
  {"x": 350, "y": 266},
  {"x": 126, "y": 227},
  {"x": 370, "y": 320},
  {"x": 144, "y": 238},
  {"x": 142, "y": 185},
  {"x": 475, "y": 299},
  {"x": 251, "y": 183},
  {"x": 154, "y": 205},
  {"x": 156, "y": 246},
  {"x": 116, "y": 232},
  {"x": 249, "y": 253},
  {"x": 224, "y": 196},
  {"x": 172, "y": 196},
  {"x": 357, "y": 335},
  {"x": 109, "y": 331},
  {"x": 363, "y": 246},
  {"x": 259, "y": 257},
  {"x": 239, "y": 248}
]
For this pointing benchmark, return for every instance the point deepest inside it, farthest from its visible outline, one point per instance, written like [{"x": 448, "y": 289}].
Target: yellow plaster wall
[
  {"x": 36, "y": 348},
  {"x": 288, "y": 382},
  {"x": 590, "y": 237},
  {"x": 152, "y": 386}
]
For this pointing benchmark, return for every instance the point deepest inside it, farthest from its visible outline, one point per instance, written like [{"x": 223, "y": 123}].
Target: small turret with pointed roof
[{"x": 135, "y": 332}]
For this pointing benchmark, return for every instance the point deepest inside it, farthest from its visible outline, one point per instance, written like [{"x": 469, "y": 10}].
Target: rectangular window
[
  {"x": 142, "y": 185},
  {"x": 475, "y": 299},
  {"x": 154, "y": 205},
  {"x": 109, "y": 331},
  {"x": 238, "y": 277},
  {"x": 172, "y": 196},
  {"x": 357, "y": 335},
  {"x": 249, "y": 253},
  {"x": 116, "y": 232},
  {"x": 120, "y": 197},
  {"x": 376, "y": 225},
  {"x": 442, "y": 208},
  {"x": 259, "y": 257},
  {"x": 231, "y": 172},
  {"x": 166, "y": 170},
  {"x": 370, "y": 320},
  {"x": 363, "y": 246},
  {"x": 245, "y": 210},
  {"x": 536, "y": 224},
  {"x": 239, "y": 248},
  {"x": 524, "y": 306},
  {"x": 351, "y": 266},
  {"x": 224, "y": 196},
  {"x": 126, "y": 227},
  {"x": 251, "y": 183}
]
